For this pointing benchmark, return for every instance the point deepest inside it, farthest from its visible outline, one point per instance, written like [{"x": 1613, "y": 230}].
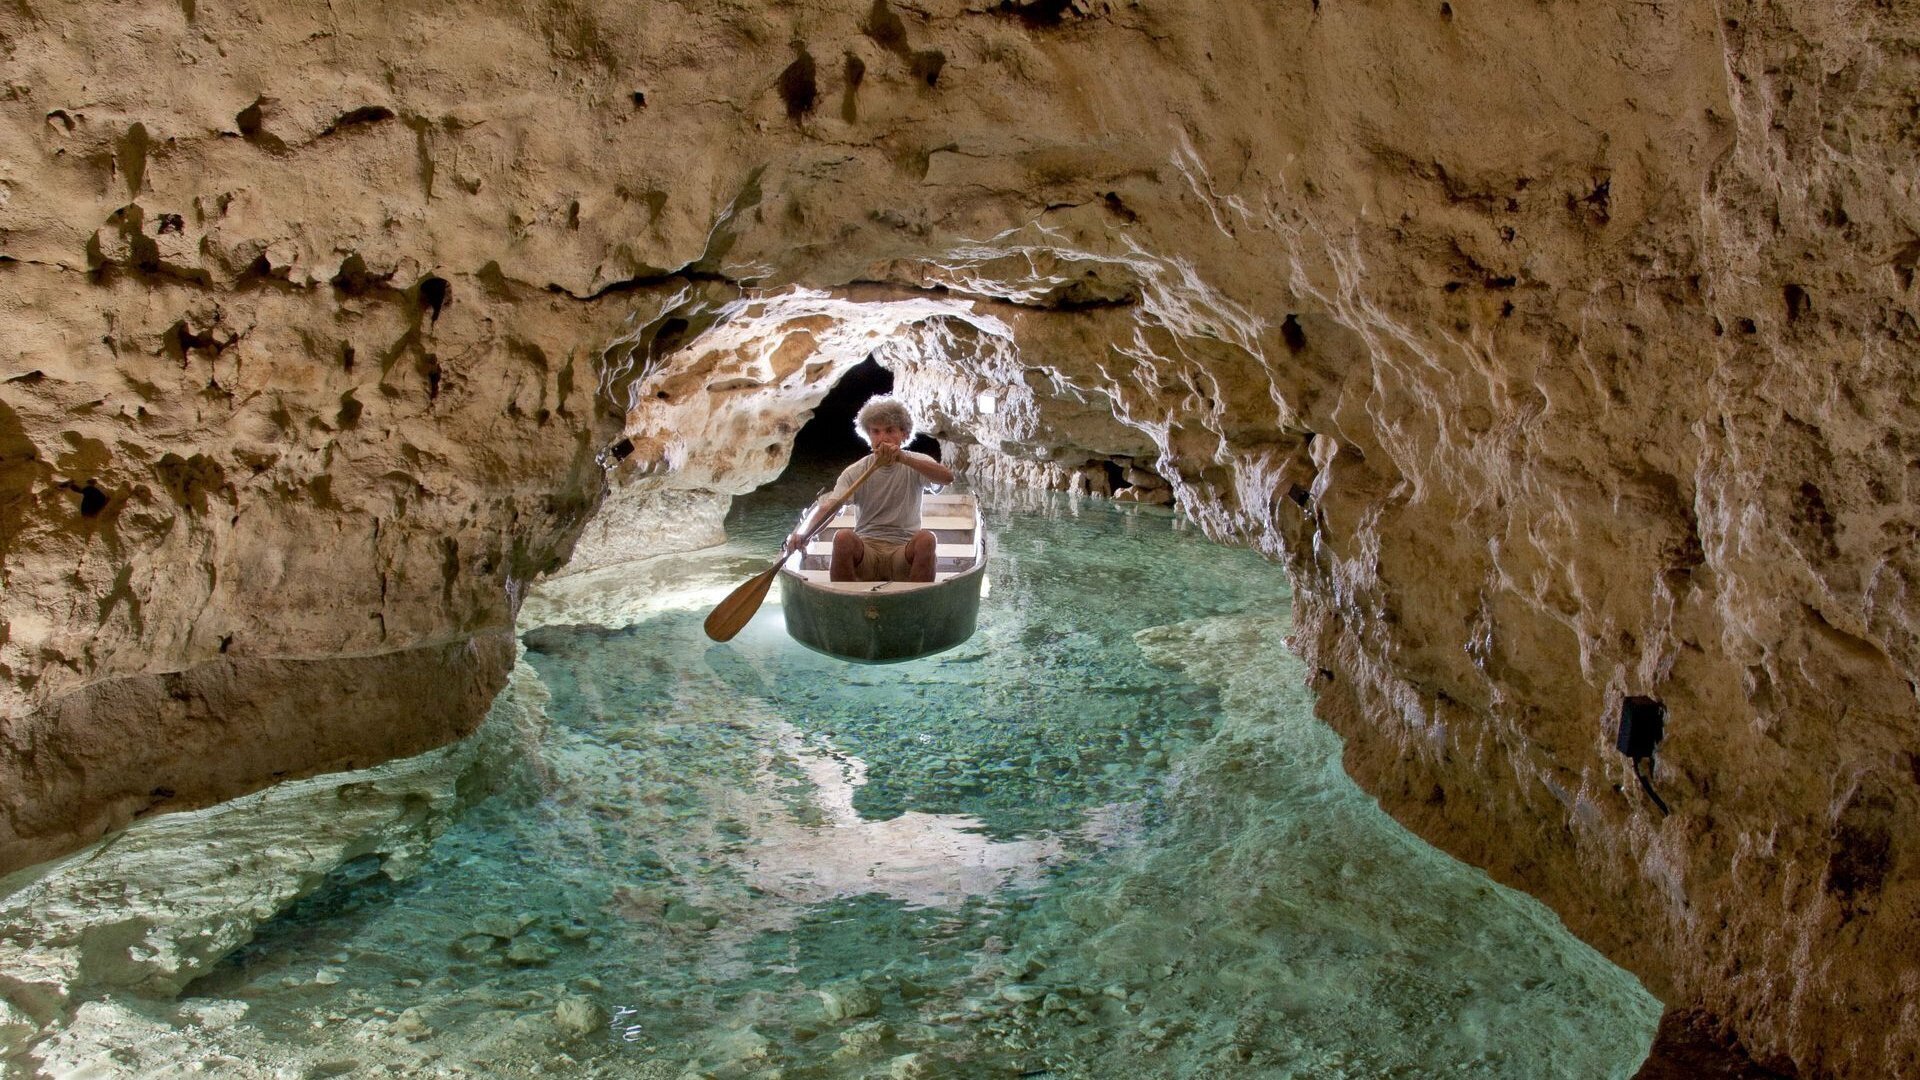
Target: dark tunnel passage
[{"x": 829, "y": 439}]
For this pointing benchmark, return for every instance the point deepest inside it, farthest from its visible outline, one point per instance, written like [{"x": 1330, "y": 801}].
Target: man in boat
[{"x": 886, "y": 542}]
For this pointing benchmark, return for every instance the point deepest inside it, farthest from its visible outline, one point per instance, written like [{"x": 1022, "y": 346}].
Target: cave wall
[
  {"x": 273, "y": 413},
  {"x": 1562, "y": 352}
]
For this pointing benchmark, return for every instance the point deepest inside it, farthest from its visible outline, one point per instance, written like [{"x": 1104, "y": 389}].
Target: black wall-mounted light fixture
[{"x": 1643, "y": 723}]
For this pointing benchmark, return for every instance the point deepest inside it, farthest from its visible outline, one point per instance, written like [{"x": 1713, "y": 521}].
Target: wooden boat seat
[
  {"x": 936, "y": 522},
  {"x": 943, "y": 551},
  {"x": 820, "y": 560},
  {"x": 820, "y": 578}
]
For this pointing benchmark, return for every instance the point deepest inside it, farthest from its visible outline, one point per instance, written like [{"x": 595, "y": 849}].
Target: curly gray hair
[{"x": 883, "y": 412}]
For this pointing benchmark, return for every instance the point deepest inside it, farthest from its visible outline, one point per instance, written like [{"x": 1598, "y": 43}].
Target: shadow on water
[{"x": 1103, "y": 838}]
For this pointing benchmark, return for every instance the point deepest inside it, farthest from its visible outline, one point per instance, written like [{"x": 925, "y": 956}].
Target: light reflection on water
[
  {"x": 1103, "y": 838},
  {"x": 920, "y": 859}
]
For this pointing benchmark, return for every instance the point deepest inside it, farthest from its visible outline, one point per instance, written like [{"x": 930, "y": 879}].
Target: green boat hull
[{"x": 882, "y": 626}]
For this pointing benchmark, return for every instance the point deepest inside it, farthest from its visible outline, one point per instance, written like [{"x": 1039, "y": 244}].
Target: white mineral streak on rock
[
  {"x": 627, "y": 593},
  {"x": 719, "y": 415},
  {"x": 634, "y": 523}
]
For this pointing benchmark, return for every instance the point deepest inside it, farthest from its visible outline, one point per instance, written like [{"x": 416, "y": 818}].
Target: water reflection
[{"x": 920, "y": 859}]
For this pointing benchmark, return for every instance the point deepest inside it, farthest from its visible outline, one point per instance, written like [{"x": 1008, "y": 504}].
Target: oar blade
[{"x": 730, "y": 615}]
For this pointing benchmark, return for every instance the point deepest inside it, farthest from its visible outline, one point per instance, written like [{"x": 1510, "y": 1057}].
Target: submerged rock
[
  {"x": 691, "y": 916},
  {"x": 413, "y": 1024},
  {"x": 915, "y": 1066},
  {"x": 502, "y": 927},
  {"x": 862, "y": 1040},
  {"x": 576, "y": 1016},
  {"x": 745, "y": 1044},
  {"x": 525, "y": 953},
  {"x": 214, "y": 1015},
  {"x": 572, "y": 930},
  {"x": 644, "y": 903},
  {"x": 473, "y": 946},
  {"x": 848, "y": 1000},
  {"x": 1022, "y": 994}
]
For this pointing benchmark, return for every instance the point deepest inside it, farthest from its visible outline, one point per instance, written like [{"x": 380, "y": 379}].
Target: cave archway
[{"x": 829, "y": 438}]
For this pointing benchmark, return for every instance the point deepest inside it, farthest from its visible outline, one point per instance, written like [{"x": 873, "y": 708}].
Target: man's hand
[{"x": 885, "y": 454}]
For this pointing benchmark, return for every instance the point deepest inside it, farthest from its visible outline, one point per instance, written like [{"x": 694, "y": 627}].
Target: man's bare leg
[
  {"x": 848, "y": 553},
  {"x": 922, "y": 556}
]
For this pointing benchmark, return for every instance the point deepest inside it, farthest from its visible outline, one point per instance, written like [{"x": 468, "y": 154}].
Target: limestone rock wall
[
  {"x": 1563, "y": 352},
  {"x": 276, "y": 410}
]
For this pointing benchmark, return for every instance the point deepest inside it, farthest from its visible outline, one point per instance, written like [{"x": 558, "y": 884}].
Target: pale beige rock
[
  {"x": 744, "y": 1045},
  {"x": 848, "y": 1001},
  {"x": 1562, "y": 351},
  {"x": 636, "y": 524},
  {"x": 916, "y": 1066},
  {"x": 576, "y": 1016}
]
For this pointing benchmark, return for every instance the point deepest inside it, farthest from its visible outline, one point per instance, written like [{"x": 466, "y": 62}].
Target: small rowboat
[{"x": 883, "y": 622}]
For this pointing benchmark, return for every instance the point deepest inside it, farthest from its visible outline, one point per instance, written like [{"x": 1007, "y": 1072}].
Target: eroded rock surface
[{"x": 1563, "y": 352}]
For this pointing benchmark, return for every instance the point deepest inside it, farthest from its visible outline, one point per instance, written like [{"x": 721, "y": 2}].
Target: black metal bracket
[{"x": 1643, "y": 722}]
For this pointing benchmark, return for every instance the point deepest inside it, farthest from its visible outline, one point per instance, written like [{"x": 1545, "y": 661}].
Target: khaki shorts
[{"x": 883, "y": 561}]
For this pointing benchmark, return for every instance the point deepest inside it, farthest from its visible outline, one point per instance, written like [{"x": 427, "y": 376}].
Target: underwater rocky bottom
[{"x": 1103, "y": 838}]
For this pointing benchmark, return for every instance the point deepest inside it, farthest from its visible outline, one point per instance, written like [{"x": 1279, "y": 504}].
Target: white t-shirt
[{"x": 887, "y": 506}]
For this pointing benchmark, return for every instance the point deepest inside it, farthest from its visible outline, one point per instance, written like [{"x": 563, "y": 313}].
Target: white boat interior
[{"x": 955, "y": 521}]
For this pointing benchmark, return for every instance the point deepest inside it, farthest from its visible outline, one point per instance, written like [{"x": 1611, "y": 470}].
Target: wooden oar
[{"x": 731, "y": 614}]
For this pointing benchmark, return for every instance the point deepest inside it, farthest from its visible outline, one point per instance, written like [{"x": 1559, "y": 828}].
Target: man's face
[{"x": 887, "y": 435}]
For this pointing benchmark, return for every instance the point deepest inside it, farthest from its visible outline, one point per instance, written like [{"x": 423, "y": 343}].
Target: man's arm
[
  {"x": 820, "y": 512},
  {"x": 823, "y": 510},
  {"x": 924, "y": 465}
]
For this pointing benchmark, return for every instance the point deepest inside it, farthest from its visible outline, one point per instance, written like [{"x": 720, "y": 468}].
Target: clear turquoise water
[{"x": 1103, "y": 838}]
